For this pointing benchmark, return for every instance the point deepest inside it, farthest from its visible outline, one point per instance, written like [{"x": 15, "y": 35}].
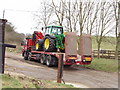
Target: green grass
[
  {"x": 107, "y": 65},
  {"x": 10, "y": 81},
  {"x": 107, "y": 43}
]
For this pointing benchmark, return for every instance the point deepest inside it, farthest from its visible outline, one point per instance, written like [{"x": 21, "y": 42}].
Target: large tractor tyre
[
  {"x": 39, "y": 45},
  {"x": 49, "y": 45},
  {"x": 25, "y": 55}
]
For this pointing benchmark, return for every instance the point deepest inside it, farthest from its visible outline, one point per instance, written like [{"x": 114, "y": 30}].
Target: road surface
[{"x": 87, "y": 77}]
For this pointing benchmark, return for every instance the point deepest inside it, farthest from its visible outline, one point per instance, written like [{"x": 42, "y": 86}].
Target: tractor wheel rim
[
  {"x": 37, "y": 45},
  {"x": 46, "y": 44}
]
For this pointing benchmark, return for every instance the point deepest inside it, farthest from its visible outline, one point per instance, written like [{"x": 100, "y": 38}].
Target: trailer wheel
[
  {"x": 55, "y": 61},
  {"x": 42, "y": 59},
  {"x": 49, "y": 45},
  {"x": 39, "y": 45},
  {"x": 49, "y": 61},
  {"x": 25, "y": 55},
  {"x": 29, "y": 56}
]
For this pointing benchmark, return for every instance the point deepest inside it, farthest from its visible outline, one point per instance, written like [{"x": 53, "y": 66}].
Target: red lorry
[{"x": 29, "y": 52}]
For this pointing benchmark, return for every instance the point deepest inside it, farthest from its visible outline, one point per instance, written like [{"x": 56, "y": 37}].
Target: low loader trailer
[{"x": 47, "y": 48}]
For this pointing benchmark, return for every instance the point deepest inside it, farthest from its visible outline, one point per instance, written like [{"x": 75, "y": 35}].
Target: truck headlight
[{"x": 84, "y": 60}]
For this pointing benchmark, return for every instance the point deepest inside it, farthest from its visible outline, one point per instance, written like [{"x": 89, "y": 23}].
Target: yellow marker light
[{"x": 88, "y": 58}]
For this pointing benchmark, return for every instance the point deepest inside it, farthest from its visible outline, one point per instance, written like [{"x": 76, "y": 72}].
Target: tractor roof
[{"x": 54, "y": 26}]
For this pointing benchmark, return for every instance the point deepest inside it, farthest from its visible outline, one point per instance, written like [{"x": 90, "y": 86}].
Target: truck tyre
[
  {"x": 55, "y": 61},
  {"x": 25, "y": 55},
  {"x": 39, "y": 45},
  {"x": 49, "y": 61},
  {"x": 42, "y": 59},
  {"x": 29, "y": 56},
  {"x": 49, "y": 45}
]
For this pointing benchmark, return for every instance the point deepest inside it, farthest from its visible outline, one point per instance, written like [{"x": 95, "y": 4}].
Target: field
[{"x": 107, "y": 44}]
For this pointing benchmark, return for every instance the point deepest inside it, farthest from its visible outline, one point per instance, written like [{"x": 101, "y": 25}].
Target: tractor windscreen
[{"x": 57, "y": 30}]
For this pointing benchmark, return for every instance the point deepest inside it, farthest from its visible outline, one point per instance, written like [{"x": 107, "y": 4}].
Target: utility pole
[{"x": 3, "y": 14}]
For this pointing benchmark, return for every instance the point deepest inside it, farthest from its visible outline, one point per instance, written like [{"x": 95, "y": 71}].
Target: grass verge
[
  {"x": 107, "y": 65},
  {"x": 9, "y": 81}
]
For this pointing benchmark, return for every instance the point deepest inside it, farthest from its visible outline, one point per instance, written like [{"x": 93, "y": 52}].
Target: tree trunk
[
  {"x": 118, "y": 45},
  {"x": 116, "y": 51},
  {"x": 98, "y": 51}
]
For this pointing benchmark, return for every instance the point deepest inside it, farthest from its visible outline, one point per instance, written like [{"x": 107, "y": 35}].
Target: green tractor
[{"x": 54, "y": 39}]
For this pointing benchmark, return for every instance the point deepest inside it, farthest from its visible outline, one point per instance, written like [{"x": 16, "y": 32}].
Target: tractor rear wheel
[
  {"x": 39, "y": 45},
  {"x": 49, "y": 45}
]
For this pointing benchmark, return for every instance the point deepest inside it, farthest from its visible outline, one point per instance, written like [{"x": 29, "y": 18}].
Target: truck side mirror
[
  {"x": 42, "y": 28},
  {"x": 22, "y": 43}
]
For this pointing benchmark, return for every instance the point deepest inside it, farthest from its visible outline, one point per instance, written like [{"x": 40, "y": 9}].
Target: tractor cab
[{"x": 54, "y": 38}]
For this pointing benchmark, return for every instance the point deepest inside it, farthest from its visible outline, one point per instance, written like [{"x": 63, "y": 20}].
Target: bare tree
[
  {"x": 71, "y": 14},
  {"x": 59, "y": 11},
  {"x": 93, "y": 10},
  {"x": 116, "y": 15},
  {"x": 44, "y": 15},
  {"x": 103, "y": 22},
  {"x": 86, "y": 16},
  {"x": 118, "y": 39}
]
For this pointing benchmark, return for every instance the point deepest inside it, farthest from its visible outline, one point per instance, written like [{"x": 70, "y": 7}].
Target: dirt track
[{"x": 87, "y": 77}]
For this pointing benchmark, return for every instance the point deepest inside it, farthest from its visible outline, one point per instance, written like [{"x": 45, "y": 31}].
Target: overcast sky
[{"x": 16, "y": 13}]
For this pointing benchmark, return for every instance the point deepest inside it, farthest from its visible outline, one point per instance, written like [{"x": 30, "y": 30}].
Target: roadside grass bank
[
  {"x": 107, "y": 65},
  {"x": 10, "y": 81}
]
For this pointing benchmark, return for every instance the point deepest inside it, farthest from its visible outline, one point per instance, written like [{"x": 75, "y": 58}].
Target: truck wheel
[
  {"x": 49, "y": 45},
  {"x": 55, "y": 61},
  {"x": 49, "y": 61},
  {"x": 29, "y": 56},
  {"x": 25, "y": 55},
  {"x": 42, "y": 59},
  {"x": 39, "y": 45}
]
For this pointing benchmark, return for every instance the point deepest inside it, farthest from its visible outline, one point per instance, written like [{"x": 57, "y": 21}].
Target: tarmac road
[{"x": 89, "y": 78}]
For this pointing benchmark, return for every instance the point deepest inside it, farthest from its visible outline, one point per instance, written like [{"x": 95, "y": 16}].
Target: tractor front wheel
[
  {"x": 39, "y": 45},
  {"x": 49, "y": 45}
]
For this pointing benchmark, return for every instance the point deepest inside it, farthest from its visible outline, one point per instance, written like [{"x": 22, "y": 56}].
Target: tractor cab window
[
  {"x": 47, "y": 31},
  {"x": 54, "y": 31},
  {"x": 57, "y": 30},
  {"x": 60, "y": 31}
]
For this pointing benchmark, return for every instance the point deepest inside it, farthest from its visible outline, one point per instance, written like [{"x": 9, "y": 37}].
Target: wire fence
[{"x": 108, "y": 54}]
